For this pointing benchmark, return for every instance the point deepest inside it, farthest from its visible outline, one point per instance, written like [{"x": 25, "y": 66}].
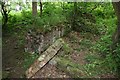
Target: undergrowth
[
  {"x": 100, "y": 22},
  {"x": 107, "y": 63}
]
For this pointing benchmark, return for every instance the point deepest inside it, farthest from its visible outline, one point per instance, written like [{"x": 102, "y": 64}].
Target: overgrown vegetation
[{"x": 97, "y": 19}]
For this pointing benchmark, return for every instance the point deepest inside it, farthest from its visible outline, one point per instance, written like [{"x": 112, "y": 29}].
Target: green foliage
[
  {"x": 99, "y": 20},
  {"x": 108, "y": 21},
  {"x": 81, "y": 20},
  {"x": 103, "y": 46},
  {"x": 0, "y": 18},
  {"x": 66, "y": 48},
  {"x": 52, "y": 15},
  {"x": 26, "y": 17},
  {"x": 85, "y": 43},
  {"x": 112, "y": 61},
  {"x": 29, "y": 59},
  {"x": 66, "y": 65}
]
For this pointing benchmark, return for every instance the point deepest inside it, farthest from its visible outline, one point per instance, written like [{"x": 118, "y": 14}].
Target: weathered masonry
[
  {"x": 37, "y": 42},
  {"x": 44, "y": 58}
]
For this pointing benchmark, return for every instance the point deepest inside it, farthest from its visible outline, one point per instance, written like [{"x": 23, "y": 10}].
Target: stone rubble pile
[
  {"x": 44, "y": 58},
  {"x": 37, "y": 42}
]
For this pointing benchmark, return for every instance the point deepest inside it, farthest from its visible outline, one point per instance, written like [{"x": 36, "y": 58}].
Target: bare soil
[
  {"x": 12, "y": 57},
  {"x": 50, "y": 71}
]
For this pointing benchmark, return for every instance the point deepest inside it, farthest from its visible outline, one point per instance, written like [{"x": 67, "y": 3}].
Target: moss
[
  {"x": 5, "y": 74},
  {"x": 29, "y": 59},
  {"x": 66, "y": 48},
  {"x": 75, "y": 70}
]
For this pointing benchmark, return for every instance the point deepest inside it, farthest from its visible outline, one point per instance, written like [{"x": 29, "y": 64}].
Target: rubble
[
  {"x": 37, "y": 42},
  {"x": 44, "y": 58}
]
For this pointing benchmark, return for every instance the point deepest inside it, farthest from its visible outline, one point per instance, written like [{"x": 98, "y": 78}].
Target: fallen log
[{"x": 44, "y": 58}]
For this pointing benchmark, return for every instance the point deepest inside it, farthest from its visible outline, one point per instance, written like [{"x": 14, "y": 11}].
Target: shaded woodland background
[{"x": 93, "y": 27}]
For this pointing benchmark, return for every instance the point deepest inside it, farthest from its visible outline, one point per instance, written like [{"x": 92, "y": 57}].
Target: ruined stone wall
[
  {"x": 44, "y": 58},
  {"x": 37, "y": 42}
]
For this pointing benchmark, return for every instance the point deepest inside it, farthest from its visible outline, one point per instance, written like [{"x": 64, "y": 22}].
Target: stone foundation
[{"x": 37, "y": 42}]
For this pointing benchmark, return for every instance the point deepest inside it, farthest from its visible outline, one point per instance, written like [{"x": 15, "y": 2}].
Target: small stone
[
  {"x": 8, "y": 69},
  {"x": 41, "y": 58},
  {"x": 32, "y": 52},
  {"x": 53, "y": 62}
]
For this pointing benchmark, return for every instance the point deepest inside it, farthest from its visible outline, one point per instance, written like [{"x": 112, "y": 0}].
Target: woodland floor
[
  {"x": 66, "y": 64},
  {"x": 12, "y": 57},
  {"x": 70, "y": 64}
]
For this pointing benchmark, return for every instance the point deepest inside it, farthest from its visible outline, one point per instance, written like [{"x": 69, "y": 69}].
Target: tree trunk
[
  {"x": 40, "y": 8},
  {"x": 74, "y": 16},
  {"x": 116, "y": 35},
  {"x": 5, "y": 15},
  {"x": 34, "y": 8}
]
